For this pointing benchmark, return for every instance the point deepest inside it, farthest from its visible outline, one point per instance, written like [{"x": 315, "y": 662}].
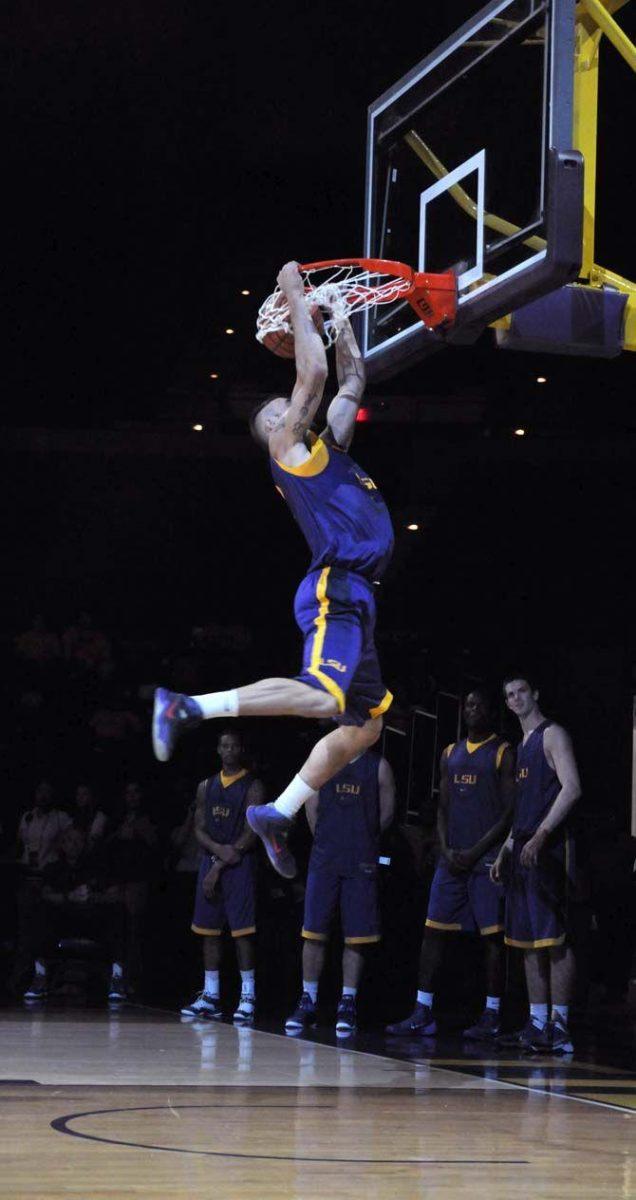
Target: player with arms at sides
[
  {"x": 537, "y": 860},
  {"x": 346, "y": 820},
  {"x": 347, "y": 525},
  {"x": 226, "y": 884},
  {"x": 476, "y": 795}
]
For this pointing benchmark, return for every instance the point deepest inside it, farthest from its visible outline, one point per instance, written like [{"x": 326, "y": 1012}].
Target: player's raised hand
[{"x": 290, "y": 280}]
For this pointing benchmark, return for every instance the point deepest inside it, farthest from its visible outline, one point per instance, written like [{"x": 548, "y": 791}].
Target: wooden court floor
[{"x": 141, "y": 1105}]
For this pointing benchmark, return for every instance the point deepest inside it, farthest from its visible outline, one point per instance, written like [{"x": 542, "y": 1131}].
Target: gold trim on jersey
[
  {"x": 538, "y": 945},
  {"x": 243, "y": 932},
  {"x": 386, "y": 702},
  {"x": 205, "y": 932},
  {"x": 358, "y": 941},
  {"x": 319, "y": 640},
  {"x": 500, "y": 753},
  {"x": 228, "y": 780},
  {"x": 313, "y": 937},
  {"x": 472, "y": 746},
  {"x": 441, "y": 925},
  {"x": 314, "y": 465},
  {"x": 491, "y": 929}
]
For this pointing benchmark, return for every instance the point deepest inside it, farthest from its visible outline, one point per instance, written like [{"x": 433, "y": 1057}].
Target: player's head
[
  {"x": 521, "y": 693},
  {"x": 478, "y": 711},
  {"x": 230, "y": 750},
  {"x": 268, "y": 415}
]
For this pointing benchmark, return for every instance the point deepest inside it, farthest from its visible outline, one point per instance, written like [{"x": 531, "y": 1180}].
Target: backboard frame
[{"x": 547, "y": 269}]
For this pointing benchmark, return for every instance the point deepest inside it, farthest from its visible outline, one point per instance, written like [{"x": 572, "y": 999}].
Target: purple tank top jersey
[
  {"x": 474, "y": 794},
  {"x": 225, "y": 804},
  {"x": 537, "y": 783}
]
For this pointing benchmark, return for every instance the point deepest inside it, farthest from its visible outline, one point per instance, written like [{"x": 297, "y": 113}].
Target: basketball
[{"x": 282, "y": 343}]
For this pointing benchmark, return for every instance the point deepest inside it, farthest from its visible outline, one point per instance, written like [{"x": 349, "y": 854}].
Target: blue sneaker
[
  {"x": 171, "y": 714},
  {"x": 303, "y": 1015},
  {"x": 421, "y": 1022},
  {"x": 273, "y": 830}
]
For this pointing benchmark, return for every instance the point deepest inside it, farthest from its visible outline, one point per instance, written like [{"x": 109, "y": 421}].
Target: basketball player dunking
[
  {"x": 348, "y": 528},
  {"x": 538, "y": 858}
]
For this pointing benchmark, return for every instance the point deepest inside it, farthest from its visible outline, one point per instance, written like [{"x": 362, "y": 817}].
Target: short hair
[
  {"x": 228, "y": 731},
  {"x": 482, "y": 689},
  {"x": 259, "y": 408},
  {"x": 529, "y": 679}
]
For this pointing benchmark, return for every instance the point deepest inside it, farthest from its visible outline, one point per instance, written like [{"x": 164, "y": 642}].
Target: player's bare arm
[
  {"x": 343, "y": 410},
  {"x": 493, "y": 837},
  {"x": 311, "y": 369},
  {"x": 255, "y": 795},
  {"x": 386, "y": 790},
  {"x": 559, "y": 753},
  {"x": 442, "y": 815}
]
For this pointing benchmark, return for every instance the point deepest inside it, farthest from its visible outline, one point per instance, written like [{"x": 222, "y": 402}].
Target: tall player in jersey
[
  {"x": 538, "y": 856},
  {"x": 226, "y": 884},
  {"x": 348, "y": 528},
  {"x": 346, "y": 820},
  {"x": 475, "y": 808}
]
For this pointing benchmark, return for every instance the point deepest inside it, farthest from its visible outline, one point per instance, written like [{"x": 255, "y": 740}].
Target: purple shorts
[
  {"x": 233, "y": 902},
  {"x": 354, "y": 892},
  {"x": 465, "y": 903},
  {"x": 537, "y": 897},
  {"x": 335, "y": 611}
]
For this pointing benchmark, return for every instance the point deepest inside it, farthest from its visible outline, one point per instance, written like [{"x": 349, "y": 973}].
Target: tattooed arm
[
  {"x": 311, "y": 371},
  {"x": 343, "y": 410}
]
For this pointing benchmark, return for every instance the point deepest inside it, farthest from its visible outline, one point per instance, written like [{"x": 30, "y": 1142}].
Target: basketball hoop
[{"x": 343, "y": 286}]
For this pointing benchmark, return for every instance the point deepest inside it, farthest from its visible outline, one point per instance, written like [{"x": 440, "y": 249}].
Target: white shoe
[
  {"x": 244, "y": 1014},
  {"x": 205, "y": 1006}
]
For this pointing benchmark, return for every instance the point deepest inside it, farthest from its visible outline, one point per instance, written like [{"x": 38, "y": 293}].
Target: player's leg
[
  {"x": 321, "y": 898},
  {"x": 487, "y": 905},
  {"x": 360, "y": 915},
  {"x": 330, "y": 614},
  {"x": 421, "y": 1021},
  {"x": 562, "y": 974},
  {"x": 273, "y": 822},
  {"x": 207, "y": 921},
  {"x": 238, "y": 889}
]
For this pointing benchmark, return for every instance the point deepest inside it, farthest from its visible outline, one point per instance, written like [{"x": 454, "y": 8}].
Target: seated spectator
[
  {"x": 41, "y": 829},
  {"x": 37, "y": 644},
  {"x": 86, "y": 647},
  {"x": 88, "y": 817},
  {"x": 75, "y": 904},
  {"x": 132, "y": 863},
  {"x": 113, "y": 720}
]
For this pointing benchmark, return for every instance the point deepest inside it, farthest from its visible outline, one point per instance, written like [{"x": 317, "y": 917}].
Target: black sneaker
[
  {"x": 38, "y": 989},
  {"x": 116, "y": 990},
  {"x": 521, "y": 1039},
  {"x": 420, "y": 1022},
  {"x": 554, "y": 1038},
  {"x": 486, "y": 1029},
  {"x": 304, "y": 1015},
  {"x": 172, "y": 713},
  {"x": 207, "y": 1008},
  {"x": 346, "y": 1015}
]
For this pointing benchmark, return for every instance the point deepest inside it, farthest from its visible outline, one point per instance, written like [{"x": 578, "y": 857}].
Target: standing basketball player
[
  {"x": 538, "y": 858},
  {"x": 225, "y": 889},
  {"x": 346, "y": 820},
  {"x": 348, "y": 528},
  {"x": 475, "y": 808}
]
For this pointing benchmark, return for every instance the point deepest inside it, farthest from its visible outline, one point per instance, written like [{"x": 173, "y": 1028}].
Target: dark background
[{"x": 158, "y": 162}]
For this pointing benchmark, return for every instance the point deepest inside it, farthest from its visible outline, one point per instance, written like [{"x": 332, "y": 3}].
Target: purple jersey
[
  {"x": 348, "y": 824},
  {"x": 225, "y": 804},
  {"x": 537, "y": 784},
  {"x": 339, "y": 509},
  {"x": 475, "y": 803}
]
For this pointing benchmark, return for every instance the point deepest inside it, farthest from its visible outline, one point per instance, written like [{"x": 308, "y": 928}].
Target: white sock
[
  {"x": 294, "y": 797},
  {"x": 349, "y": 991},
  {"x": 539, "y": 1014},
  {"x": 218, "y": 704},
  {"x": 493, "y": 1002},
  {"x": 211, "y": 985},
  {"x": 118, "y": 971},
  {"x": 425, "y": 998},
  {"x": 311, "y": 989},
  {"x": 40, "y": 967},
  {"x": 560, "y": 1011},
  {"x": 247, "y": 983}
]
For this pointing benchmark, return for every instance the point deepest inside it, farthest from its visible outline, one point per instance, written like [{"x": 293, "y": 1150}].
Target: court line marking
[{"x": 61, "y": 1125}]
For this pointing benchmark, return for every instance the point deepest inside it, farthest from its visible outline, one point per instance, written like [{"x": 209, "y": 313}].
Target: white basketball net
[{"x": 337, "y": 290}]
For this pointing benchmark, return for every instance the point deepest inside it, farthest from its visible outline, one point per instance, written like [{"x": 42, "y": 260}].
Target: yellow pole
[
  {"x": 584, "y": 134},
  {"x": 612, "y": 30}
]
